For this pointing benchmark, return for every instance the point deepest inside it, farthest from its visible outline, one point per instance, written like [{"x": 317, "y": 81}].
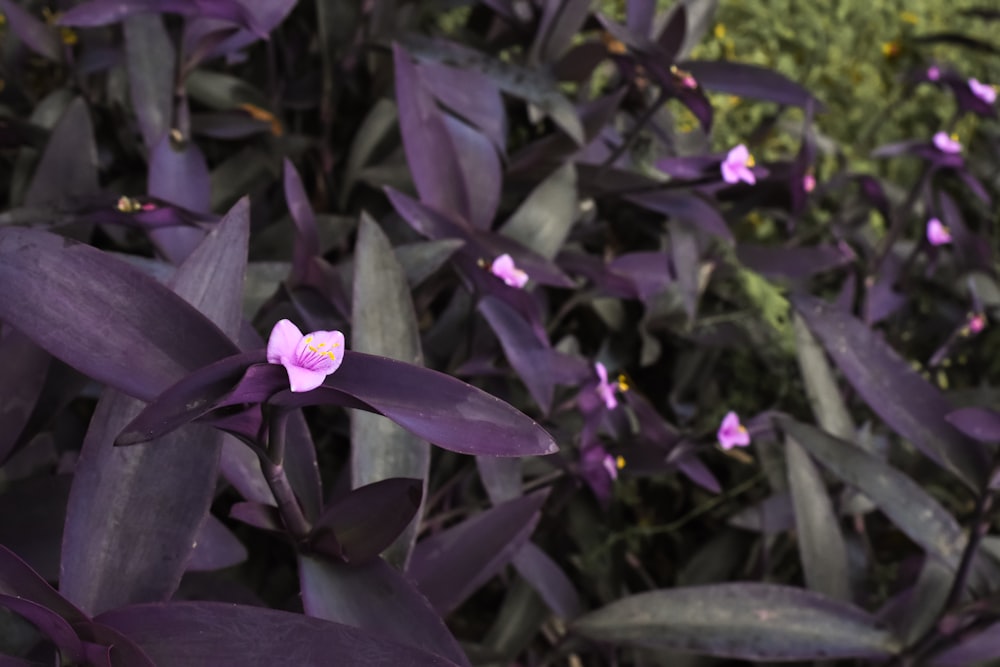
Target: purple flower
[
  {"x": 732, "y": 433},
  {"x": 307, "y": 359},
  {"x": 977, "y": 323},
  {"x": 503, "y": 267},
  {"x": 937, "y": 233},
  {"x": 947, "y": 144},
  {"x": 809, "y": 182},
  {"x": 983, "y": 91},
  {"x": 737, "y": 166},
  {"x": 605, "y": 389},
  {"x": 933, "y": 72}
]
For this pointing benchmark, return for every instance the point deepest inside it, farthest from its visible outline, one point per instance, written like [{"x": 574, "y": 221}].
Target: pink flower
[
  {"x": 933, "y": 72},
  {"x": 503, "y": 267},
  {"x": 937, "y": 233},
  {"x": 307, "y": 359},
  {"x": 736, "y": 166},
  {"x": 947, "y": 144},
  {"x": 809, "y": 182},
  {"x": 610, "y": 464},
  {"x": 977, "y": 323},
  {"x": 605, "y": 389},
  {"x": 983, "y": 91},
  {"x": 732, "y": 433}
]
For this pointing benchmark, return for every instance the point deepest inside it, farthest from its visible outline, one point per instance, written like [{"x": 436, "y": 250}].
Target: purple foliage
[{"x": 326, "y": 338}]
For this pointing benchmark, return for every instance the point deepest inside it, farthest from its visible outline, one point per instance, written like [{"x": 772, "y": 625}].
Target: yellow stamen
[
  {"x": 264, "y": 115},
  {"x": 623, "y": 384},
  {"x": 742, "y": 428},
  {"x": 620, "y": 462},
  {"x": 613, "y": 45},
  {"x": 891, "y": 49},
  {"x": 750, "y": 161},
  {"x": 719, "y": 31},
  {"x": 128, "y": 205},
  {"x": 954, "y": 136}
]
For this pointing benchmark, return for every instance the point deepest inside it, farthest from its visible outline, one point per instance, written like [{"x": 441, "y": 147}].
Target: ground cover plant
[{"x": 496, "y": 332}]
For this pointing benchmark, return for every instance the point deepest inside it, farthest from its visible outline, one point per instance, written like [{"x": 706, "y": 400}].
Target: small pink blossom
[
  {"x": 933, "y": 72},
  {"x": 937, "y": 233},
  {"x": 307, "y": 359},
  {"x": 737, "y": 166},
  {"x": 732, "y": 433},
  {"x": 977, "y": 323},
  {"x": 984, "y": 92},
  {"x": 503, "y": 267},
  {"x": 808, "y": 182},
  {"x": 611, "y": 465},
  {"x": 947, "y": 144},
  {"x": 605, "y": 389}
]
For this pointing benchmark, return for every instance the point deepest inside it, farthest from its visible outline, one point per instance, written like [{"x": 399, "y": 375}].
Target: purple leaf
[
  {"x": 19, "y": 580},
  {"x": 821, "y": 544},
  {"x": 179, "y": 175},
  {"x": 32, "y": 514},
  {"x": 450, "y": 566},
  {"x": 792, "y": 263},
  {"x": 104, "y": 12},
  {"x": 306, "y": 232},
  {"x": 103, "y": 317},
  {"x": 52, "y": 625},
  {"x": 343, "y": 594},
  {"x": 479, "y": 165},
  {"x": 215, "y": 633},
  {"x": 385, "y": 323},
  {"x": 639, "y": 15},
  {"x": 68, "y": 166},
  {"x": 894, "y": 391},
  {"x": 980, "y": 424},
  {"x": 687, "y": 207},
  {"x": 746, "y": 621},
  {"x": 150, "y": 60},
  {"x": 561, "y": 21},
  {"x": 110, "y": 555},
  {"x": 543, "y": 221},
  {"x": 36, "y": 35},
  {"x": 648, "y": 271},
  {"x": 471, "y": 95},
  {"x": 25, "y": 366},
  {"x": 267, "y": 16},
  {"x": 907, "y": 505},
  {"x": 750, "y": 81},
  {"x": 215, "y": 547},
  {"x": 369, "y": 519},
  {"x": 428, "y": 143},
  {"x": 546, "y": 577},
  {"x": 972, "y": 649}
]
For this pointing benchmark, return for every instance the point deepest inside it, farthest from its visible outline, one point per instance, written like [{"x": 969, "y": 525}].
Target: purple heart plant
[{"x": 592, "y": 374}]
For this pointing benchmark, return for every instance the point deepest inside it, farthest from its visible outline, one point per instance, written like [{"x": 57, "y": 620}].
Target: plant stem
[{"x": 277, "y": 480}]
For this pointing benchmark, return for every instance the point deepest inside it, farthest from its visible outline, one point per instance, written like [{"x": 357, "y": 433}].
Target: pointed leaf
[
  {"x": 343, "y": 594},
  {"x": 384, "y": 323},
  {"x": 747, "y": 621},
  {"x": 68, "y": 166},
  {"x": 150, "y": 60},
  {"x": 907, "y": 505},
  {"x": 370, "y": 518},
  {"x": 750, "y": 81},
  {"x": 178, "y": 174},
  {"x": 36, "y": 35},
  {"x": 215, "y": 633},
  {"x": 25, "y": 366},
  {"x": 51, "y": 624},
  {"x": 894, "y": 391},
  {"x": 101, "y": 316},
  {"x": 980, "y": 424},
  {"x": 215, "y": 547},
  {"x": 543, "y": 220},
  {"x": 471, "y": 95},
  {"x": 450, "y": 566}
]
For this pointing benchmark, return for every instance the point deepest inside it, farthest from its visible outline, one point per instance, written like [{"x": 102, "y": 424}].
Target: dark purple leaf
[
  {"x": 471, "y": 95},
  {"x": 980, "y": 424},
  {"x": 215, "y": 547},
  {"x": 750, "y": 81},
  {"x": 675, "y": 30},
  {"x": 19, "y": 580},
  {"x": 343, "y": 594},
  {"x": 150, "y": 60},
  {"x": 306, "y": 232},
  {"x": 561, "y": 21},
  {"x": 770, "y": 516},
  {"x": 32, "y": 514},
  {"x": 430, "y": 147},
  {"x": 52, "y": 625},
  {"x": 908, "y": 506},
  {"x": 179, "y": 175},
  {"x": 746, "y": 621},
  {"x": 894, "y": 391},
  {"x": 450, "y": 566},
  {"x": 639, "y": 15},
  {"x": 549, "y": 580},
  {"x": 821, "y": 544},
  {"x": 979, "y": 648},
  {"x": 648, "y": 271},
  {"x": 264, "y": 517},
  {"x": 687, "y": 207},
  {"x": 479, "y": 165},
  {"x": 25, "y": 366},
  {"x": 68, "y": 166},
  {"x": 104, "y": 12},
  {"x": 215, "y": 633},
  {"x": 385, "y": 323},
  {"x": 369, "y": 519},
  {"x": 792, "y": 263},
  {"x": 36, "y": 35},
  {"x": 103, "y": 317},
  {"x": 544, "y": 220},
  {"x": 110, "y": 555}
]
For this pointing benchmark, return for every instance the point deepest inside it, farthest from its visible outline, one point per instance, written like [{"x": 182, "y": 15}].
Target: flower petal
[
  {"x": 738, "y": 155},
  {"x": 303, "y": 379},
  {"x": 281, "y": 345},
  {"x": 320, "y": 351}
]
